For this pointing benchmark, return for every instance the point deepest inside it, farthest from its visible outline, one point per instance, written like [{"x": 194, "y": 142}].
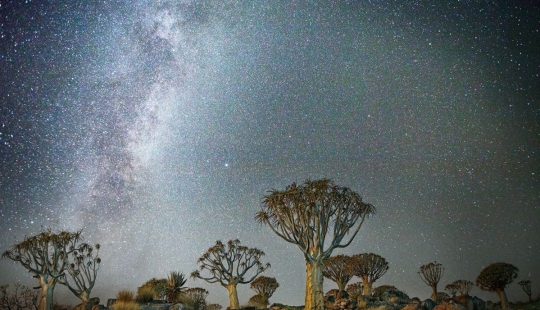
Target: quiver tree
[
  {"x": 526, "y": 287},
  {"x": 451, "y": 288},
  {"x": 495, "y": 278},
  {"x": 368, "y": 267},
  {"x": 304, "y": 215},
  {"x": 264, "y": 286},
  {"x": 229, "y": 265},
  {"x": 431, "y": 274},
  {"x": 82, "y": 269},
  {"x": 45, "y": 256},
  {"x": 334, "y": 269},
  {"x": 463, "y": 286},
  {"x": 175, "y": 285}
]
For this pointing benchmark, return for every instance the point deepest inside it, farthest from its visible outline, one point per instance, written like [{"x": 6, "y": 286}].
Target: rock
[
  {"x": 448, "y": 306},
  {"x": 428, "y": 304}
]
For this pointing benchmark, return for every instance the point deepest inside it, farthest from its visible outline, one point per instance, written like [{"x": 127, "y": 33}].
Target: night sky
[{"x": 158, "y": 126}]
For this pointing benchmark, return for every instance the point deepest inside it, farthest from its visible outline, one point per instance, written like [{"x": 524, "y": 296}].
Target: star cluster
[{"x": 158, "y": 127}]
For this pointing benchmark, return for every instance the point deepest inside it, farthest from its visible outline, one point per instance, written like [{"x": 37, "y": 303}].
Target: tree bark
[
  {"x": 434, "y": 292},
  {"x": 46, "y": 296},
  {"x": 504, "y": 300},
  {"x": 314, "y": 286},
  {"x": 233, "y": 296},
  {"x": 367, "y": 285}
]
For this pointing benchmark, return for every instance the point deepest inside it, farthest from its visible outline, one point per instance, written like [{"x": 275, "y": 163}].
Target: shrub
[
  {"x": 145, "y": 295},
  {"x": 125, "y": 296},
  {"x": 125, "y": 305}
]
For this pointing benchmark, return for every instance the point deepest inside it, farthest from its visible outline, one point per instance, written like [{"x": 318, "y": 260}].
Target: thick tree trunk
[
  {"x": 434, "y": 292},
  {"x": 504, "y": 300},
  {"x": 46, "y": 296},
  {"x": 367, "y": 285},
  {"x": 314, "y": 286},
  {"x": 233, "y": 296}
]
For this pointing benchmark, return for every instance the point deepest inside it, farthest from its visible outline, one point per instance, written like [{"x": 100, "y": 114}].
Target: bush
[
  {"x": 145, "y": 295},
  {"x": 125, "y": 305},
  {"x": 125, "y": 296}
]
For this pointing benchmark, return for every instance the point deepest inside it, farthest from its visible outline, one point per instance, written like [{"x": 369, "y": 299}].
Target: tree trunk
[
  {"x": 367, "y": 285},
  {"x": 504, "y": 300},
  {"x": 233, "y": 296},
  {"x": 434, "y": 292},
  {"x": 46, "y": 296},
  {"x": 314, "y": 286}
]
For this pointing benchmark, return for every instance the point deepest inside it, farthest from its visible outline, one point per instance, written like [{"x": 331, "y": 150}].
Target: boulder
[
  {"x": 428, "y": 304},
  {"x": 448, "y": 306}
]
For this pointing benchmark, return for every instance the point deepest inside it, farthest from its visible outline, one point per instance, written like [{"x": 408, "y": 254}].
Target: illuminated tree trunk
[
  {"x": 504, "y": 300},
  {"x": 314, "y": 286},
  {"x": 46, "y": 296},
  {"x": 233, "y": 296},
  {"x": 434, "y": 292},
  {"x": 367, "y": 285}
]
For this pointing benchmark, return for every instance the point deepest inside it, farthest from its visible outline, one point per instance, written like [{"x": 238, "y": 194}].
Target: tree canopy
[
  {"x": 305, "y": 215},
  {"x": 369, "y": 267},
  {"x": 229, "y": 264},
  {"x": 431, "y": 274},
  {"x": 45, "y": 256},
  {"x": 334, "y": 269}
]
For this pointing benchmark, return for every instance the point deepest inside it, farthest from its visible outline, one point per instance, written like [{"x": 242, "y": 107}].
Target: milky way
[{"x": 157, "y": 128}]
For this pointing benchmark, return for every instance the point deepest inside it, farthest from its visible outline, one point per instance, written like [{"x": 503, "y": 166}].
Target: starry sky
[{"x": 158, "y": 126}]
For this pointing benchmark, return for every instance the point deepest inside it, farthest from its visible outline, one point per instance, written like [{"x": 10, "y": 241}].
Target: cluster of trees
[{"x": 317, "y": 216}]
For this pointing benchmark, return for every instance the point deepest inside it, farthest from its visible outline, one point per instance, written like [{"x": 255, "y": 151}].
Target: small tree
[
  {"x": 452, "y": 288},
  {"x": 334, "y": 269},
  {"x": 431, "y": 274},
  {"x": 45, "y": 256},
  {"x": 495, "y": 278},
  {"x": 175, "y": 284},
  {"x": 526, "y": 287},
  {"x": 82, "y": 269},
  {"x": 368, "y": 267},
  {"x": 23, "y": 298},
  {"x": 194, "y": 298},
  {"x": 229, "y": 265},
  {"x": 264, "y": 286},
  {"x": 463, "y": 286},
  {"x": 304, "y": 215}
]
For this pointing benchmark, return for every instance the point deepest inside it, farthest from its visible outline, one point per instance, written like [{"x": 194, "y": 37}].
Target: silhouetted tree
[
  {"x": 228, "y": 266},
  {"x": 23, "y": 298},
  {"x": 495, "y": 278},
  {"x": 45, "y": 256},
  {"x": 463, "y": 286},
  {"x": 334, "y": 269},
  {"x": 194, "y": 298},
  {"x": 368, "y": 267},
  {"x": 304, "y": 215},
  {"x": 82, "y": 268},
  {"x": 175, "y": 285},
  {"x": 526, "y": 287},
  {"x": 158, "y": 286},
  {"x": 264, "y": 286},
  {"x": 431, "y": 274}
]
